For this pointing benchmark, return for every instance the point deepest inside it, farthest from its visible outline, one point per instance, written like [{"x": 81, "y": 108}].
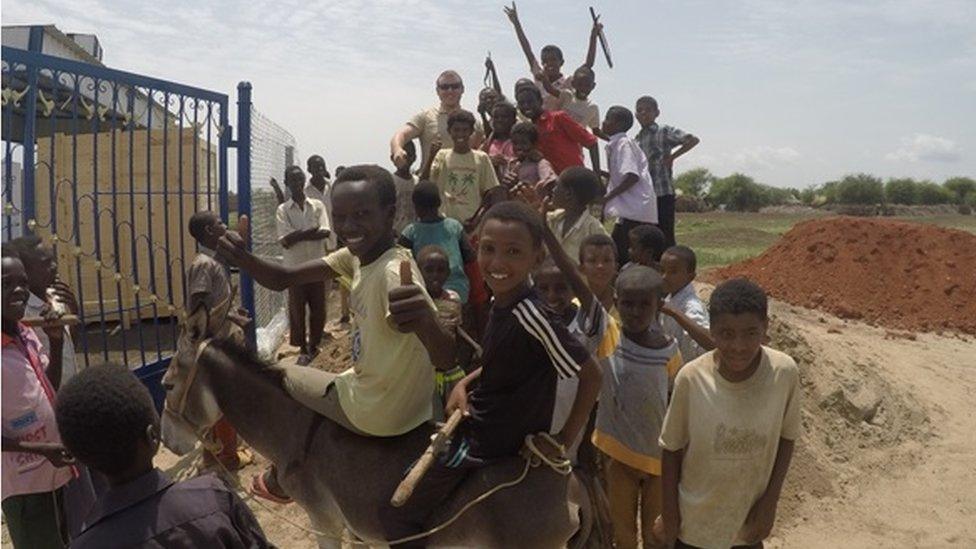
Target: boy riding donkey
[{"x": 397, "y": 338}]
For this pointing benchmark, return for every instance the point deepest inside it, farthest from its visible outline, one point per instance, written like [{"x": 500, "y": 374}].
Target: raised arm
[
  {"x": 565, "y": 264},
  {"x": 435, "y": 147},
  {"x": 271, "y": 275},
  {"x": 512, "y": 14},
  {"x": 591, "y": 49}
]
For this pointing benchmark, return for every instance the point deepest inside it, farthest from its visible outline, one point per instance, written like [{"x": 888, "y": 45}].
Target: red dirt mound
[{"x": 892, "y": 273}]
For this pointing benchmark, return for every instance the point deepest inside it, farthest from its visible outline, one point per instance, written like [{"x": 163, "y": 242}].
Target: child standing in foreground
[
  {"x": 107, "y": 419},
  {"x": 36, "y": 467},
  {"x": 572, "y": 222},
  {"x": 687, "y": 318},
  {"x": 526, "y": 351},
  {"x": 464, "y": 177},
  {"x": 729, "y": 433},
  {"x": 633, "y": 403}
]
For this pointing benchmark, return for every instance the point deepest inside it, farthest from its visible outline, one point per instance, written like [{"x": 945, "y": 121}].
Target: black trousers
[
  {"x": 312, "y": 295},
  {"x": 665, "y": 218}
]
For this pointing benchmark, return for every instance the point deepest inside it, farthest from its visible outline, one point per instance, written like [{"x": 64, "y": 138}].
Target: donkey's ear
[{"x": 197, "y": 322}]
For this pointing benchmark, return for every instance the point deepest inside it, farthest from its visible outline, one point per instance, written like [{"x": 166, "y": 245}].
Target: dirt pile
[{"x": 891, "y": 273}]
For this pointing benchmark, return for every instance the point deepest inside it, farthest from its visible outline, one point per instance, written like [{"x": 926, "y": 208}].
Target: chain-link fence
[{"x": 272, "y": 150}]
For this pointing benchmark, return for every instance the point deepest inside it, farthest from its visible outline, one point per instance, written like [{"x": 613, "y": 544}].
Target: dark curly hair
[
  {"x": 650, "y": 238},
  {"x": 737, "y": 296},
  {"x": 102, "y": 414},
  {"x": 460, "y": 117},
  {"x": 584, "y": 183},
  {"x": 513, "y": 210},
  {"x": 426, "y": 195},
  {"x": 639, "y": 277},
  {"x": 686, "y": 255},
  {"x": 597, "y": 240},
  {"x": 377, "y": 177}
]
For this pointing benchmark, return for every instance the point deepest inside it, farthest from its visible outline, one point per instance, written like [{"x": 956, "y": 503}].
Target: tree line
[{"x": 739, "y": 192}]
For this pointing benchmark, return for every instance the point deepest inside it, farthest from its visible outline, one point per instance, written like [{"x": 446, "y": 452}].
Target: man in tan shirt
[{"x": 431, "y": 124}]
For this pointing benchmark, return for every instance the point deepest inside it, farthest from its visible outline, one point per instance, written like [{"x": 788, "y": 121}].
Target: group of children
[
  {"x": 563, "y": 314},
  {"x": 486, "y": 282}
]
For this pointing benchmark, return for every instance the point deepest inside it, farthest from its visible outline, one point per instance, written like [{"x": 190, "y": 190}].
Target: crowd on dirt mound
[{"x": 502, "y": 282}]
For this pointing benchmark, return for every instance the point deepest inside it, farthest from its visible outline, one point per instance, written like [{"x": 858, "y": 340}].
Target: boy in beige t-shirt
[
  {"x": 729, "y": 432},
  {"x": 397, "y": 340},
  {"x": 464, "y": 176}
]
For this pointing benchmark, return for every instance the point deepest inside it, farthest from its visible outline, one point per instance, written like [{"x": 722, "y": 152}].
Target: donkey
[{"x": 342, "y": 479}]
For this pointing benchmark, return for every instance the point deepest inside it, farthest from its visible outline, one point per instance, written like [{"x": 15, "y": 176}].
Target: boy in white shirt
[
  {"x": 729, "y": 432},
  {"x": 303, "y": 227},
  {"x": 630, "y": 194}
]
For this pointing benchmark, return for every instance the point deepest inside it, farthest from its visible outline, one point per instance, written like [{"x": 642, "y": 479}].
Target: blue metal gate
[{"x": 113, "y": 164}]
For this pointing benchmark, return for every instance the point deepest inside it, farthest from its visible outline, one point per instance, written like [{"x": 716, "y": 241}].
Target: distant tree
[
  {"x": 808, "y": 195},
  {"x": 901, "y": 191},
  {"x": 829, "y": 191},
  {"x": 694, "y": 182},
  {"x": 960, "y": 187},
  {"x": 970, "y": 199},
  {"x": 775, "y": 196},
  {"x": 860, "y": 189},
  {"x": 738, "y": 192},
  {"x": 932, "y": 193}
]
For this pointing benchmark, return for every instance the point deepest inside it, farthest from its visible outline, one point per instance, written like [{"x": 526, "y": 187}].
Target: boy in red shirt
[{"x": 560, "y": 138}]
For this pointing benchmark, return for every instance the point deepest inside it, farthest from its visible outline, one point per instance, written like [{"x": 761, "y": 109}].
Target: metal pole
[
  {"x": 35, "y": 42},
  {"x": 244, "y": 196}
]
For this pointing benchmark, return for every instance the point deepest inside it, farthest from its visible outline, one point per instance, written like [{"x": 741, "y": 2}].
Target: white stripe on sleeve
[{"x": 538, "y": 326}]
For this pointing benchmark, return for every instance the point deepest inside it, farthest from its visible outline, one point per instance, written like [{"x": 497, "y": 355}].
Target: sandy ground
[{"x": 904, "y": 478}]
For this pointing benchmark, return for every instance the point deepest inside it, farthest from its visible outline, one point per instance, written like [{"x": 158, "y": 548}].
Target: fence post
[
  {"x": 244, "y": 196},
  {"x": 35, "y": 43}
]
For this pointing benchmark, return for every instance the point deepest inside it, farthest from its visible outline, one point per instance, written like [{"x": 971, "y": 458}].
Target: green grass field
[{"x": 721, "y": 238}]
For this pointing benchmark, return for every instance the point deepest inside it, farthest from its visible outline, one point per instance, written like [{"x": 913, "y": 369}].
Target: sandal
[{"x": 260, "y": 489}]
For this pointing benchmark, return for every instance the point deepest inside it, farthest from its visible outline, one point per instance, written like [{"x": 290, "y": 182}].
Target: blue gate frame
[{"x": 60, "y": 100}]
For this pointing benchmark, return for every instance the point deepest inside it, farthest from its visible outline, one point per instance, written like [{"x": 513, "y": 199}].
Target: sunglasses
[{"x": 446, "y": 87}]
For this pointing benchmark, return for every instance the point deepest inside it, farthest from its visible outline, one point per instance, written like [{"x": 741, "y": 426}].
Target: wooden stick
[
  {"x": 417, "y": 472},
  {"x": 38, "y": 322},
  {"x": 603, "y": 41},
  {"x": 478, "y": 351}
]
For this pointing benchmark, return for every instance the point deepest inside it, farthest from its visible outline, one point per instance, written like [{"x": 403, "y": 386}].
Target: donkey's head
[{"x": 191, "y": 408}]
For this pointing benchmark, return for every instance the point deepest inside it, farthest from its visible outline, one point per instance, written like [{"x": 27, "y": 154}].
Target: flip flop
[{"x": 260, "y": 489}]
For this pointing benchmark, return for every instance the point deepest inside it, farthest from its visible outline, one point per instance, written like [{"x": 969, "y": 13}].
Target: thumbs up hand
[{"x": 410, "y": 311}]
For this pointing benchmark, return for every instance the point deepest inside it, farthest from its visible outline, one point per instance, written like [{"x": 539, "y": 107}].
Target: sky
[{"x": 790, "y": 93}]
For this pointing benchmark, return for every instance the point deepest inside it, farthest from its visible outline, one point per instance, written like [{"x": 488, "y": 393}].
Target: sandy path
[{"x": 920, "y": 492}]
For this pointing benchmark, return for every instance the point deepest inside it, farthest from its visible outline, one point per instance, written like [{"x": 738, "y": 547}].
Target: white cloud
[
  {"x": 927, "y": 148},
  {"x": 763, "y": 157}
]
